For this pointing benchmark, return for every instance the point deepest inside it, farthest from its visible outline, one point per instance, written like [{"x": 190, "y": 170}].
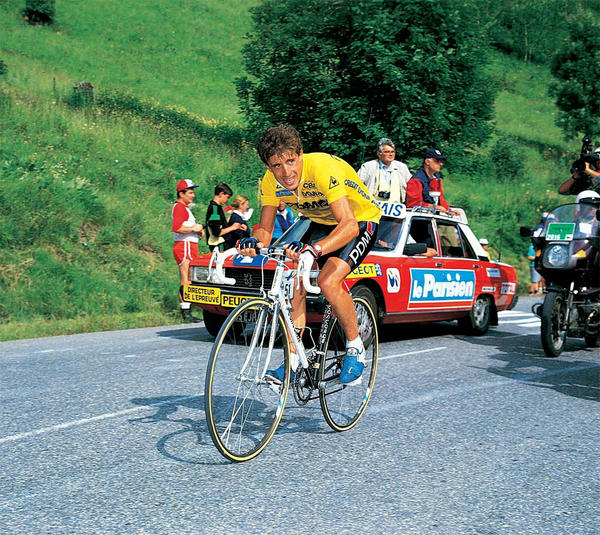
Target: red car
[{"x": 424, "y": 267}]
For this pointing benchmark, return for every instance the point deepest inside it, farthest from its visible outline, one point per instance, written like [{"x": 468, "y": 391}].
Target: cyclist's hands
[
  {"x": 295, "y": 249},
  {"x": 248, "y": 246}
]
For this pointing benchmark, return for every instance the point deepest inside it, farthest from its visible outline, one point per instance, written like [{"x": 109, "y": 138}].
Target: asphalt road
[{"x": 105, "y": 433}]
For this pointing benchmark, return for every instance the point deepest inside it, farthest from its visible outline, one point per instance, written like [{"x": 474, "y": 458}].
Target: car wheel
[
  {"x": 213, "y": 322},
  {"x": 367, "y": 295},
  {"x": 477, "y": 322}
]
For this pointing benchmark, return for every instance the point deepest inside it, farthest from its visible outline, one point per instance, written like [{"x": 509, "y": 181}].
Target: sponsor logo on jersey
[
  {"x": 365, "y": 271},
  {"x": 393, "y": 280},
  {"x": 283, "y": 193},
  {"x": 441, "y": 285},
  {"x": 309, "y": 185},
  {"x": 333, "y": 182}
]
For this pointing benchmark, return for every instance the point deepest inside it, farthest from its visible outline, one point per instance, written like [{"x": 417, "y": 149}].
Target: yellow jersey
[{"x": 325, "y": 179}]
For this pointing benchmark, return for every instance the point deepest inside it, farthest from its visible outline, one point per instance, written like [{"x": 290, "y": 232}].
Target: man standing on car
[
  {"x": 426, "y": 180},
  {"x": 185, "y": 235},
  {"x": 385, "y": 177},
  {"x": 344, "y": 220}
]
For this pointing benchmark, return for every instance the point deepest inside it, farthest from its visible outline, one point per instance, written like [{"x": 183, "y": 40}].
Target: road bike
[{"x": 243, "y": 404}]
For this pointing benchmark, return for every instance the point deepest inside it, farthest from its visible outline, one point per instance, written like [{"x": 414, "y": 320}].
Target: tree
[
  {"x": 346, "y": 72},
  {"x": 576, "y": 67},
  {"x": 39, "y": 11}
]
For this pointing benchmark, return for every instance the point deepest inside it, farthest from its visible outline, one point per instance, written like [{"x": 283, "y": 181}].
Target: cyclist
[{"x": 344, "y": 220}]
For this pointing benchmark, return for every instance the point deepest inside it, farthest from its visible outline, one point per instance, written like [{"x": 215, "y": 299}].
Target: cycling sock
[{"x": 356, "y": 343}]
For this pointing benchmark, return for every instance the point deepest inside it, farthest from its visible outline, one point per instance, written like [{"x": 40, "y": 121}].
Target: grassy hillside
[
  {"x": 185, "y": 53},
  {"x": 85, "y": 193}
]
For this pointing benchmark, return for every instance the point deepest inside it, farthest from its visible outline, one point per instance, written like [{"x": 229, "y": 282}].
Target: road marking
[
  {"x": 523, "y": 320},
  {"x": 84, "y": 421},
  {"x": 411, "y": 353},
  {"x": 512, "y": 313},
  {"x": 448, "y": 392}
]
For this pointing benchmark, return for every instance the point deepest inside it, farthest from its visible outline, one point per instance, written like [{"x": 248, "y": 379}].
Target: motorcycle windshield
[{"x": 572, "y": 222}]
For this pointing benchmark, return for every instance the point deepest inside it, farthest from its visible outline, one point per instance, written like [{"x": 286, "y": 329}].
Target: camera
[
  {"x": 385, "y": 195},
  {"x": 586, "y": 155}
]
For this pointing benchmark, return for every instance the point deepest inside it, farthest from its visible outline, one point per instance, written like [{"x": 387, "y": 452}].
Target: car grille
[{"x": 251, "y": 278}]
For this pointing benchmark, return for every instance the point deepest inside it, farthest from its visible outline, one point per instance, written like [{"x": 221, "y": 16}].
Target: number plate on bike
[
  {"x": 560, "y": 231},
  {"x": 202, "y": 294}
]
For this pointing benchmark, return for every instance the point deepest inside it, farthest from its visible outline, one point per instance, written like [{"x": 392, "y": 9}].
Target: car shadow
[
  {"x": 195, "y": 334},
  {"x": 176, "y": 444},
  {"x": 522, "y": 358}
]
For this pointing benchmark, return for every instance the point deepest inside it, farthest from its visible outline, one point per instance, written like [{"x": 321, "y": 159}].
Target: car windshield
[
  {"x": 578, "y": 220},
  {"x": 388, "y": 234}
]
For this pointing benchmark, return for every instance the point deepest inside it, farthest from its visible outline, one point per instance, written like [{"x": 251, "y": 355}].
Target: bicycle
[{"x": 243, "y": 405}]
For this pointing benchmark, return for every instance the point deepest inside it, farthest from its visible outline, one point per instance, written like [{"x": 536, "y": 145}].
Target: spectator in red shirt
[
  {"x": 186, "y": 233},
  {"x": 426, "y": 180}
]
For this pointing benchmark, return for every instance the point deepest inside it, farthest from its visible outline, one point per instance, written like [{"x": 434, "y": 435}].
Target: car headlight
[
  {"x": 199, "y": 273},
  {"x": 556, "y": 256}
]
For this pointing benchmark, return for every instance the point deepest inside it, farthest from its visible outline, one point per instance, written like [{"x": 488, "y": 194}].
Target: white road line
[
  {"x": 527, "y": 325},
  {"x": 512, "y": 313},
  {"x": 84, "y": 421},
  {"x": 412, "y": 353},
  {"x": 522, "y": 320},
  {"x": 66, "y": 425}
]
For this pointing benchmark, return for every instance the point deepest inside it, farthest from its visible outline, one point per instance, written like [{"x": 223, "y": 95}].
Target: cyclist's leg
[
  {"x": 331, "y": 279},
  {"x": 351, "y": 255}
]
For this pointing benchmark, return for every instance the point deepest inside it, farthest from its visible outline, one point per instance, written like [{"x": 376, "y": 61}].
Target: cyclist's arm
[
  {"x": 264, "y": 232},
  {"x": 345, "y": 230}
]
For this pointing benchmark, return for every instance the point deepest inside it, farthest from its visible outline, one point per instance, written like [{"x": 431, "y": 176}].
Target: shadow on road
[
  {"x": 176, "y": 446},
  {"x": 194, "y": 334},
  {"x": 522, "y": 358}
]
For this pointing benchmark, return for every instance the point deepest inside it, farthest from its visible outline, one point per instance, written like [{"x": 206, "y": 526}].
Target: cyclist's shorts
[{"x": 354, "y": 252}]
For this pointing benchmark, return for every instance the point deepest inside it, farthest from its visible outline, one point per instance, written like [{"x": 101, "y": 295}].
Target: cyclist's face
[{"x": 287, "y": 169}]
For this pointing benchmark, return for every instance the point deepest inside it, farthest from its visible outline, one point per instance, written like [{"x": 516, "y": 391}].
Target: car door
[{"x": 460, "y": 278}]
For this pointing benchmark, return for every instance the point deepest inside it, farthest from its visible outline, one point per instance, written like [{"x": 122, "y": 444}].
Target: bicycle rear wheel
[
  {"x": 243, "y": 408},
  {"x": 343, "y": 405}
]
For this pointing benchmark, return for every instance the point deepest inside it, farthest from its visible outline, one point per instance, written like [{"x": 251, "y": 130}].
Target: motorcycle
[{"x": 568, "y": 258}]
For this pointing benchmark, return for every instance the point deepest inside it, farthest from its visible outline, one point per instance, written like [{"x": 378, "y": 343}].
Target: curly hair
[{"x": 277, "y": 140}]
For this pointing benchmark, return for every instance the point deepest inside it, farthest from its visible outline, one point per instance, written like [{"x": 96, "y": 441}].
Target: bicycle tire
[
  {"x": 242, "y": 408},
  {"x": 344, "y": 405}
]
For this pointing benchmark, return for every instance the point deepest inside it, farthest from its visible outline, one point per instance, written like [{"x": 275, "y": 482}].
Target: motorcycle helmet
[{"x": 587, "y": 194}]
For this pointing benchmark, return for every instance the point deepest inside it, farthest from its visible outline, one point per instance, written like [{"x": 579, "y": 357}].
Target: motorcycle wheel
[{"x": 553, "y": 314}]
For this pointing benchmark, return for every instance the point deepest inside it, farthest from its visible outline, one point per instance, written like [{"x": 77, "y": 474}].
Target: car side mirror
[
  {"x": 526, "y": 232},
  {"x": 411, "y": 249}
]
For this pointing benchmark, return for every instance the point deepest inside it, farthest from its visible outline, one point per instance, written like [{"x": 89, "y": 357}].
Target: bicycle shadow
[{"x": 191, "y": 443}]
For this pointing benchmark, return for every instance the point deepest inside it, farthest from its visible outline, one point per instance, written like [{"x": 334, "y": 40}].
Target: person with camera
[
  {"x": 585, "y": 174},
  {"x": 426, "y": 180},
  {"x": 385, "y": 177}
]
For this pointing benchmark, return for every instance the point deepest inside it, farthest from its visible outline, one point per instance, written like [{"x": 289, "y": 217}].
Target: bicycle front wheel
[
  {"x": 243, "y": 407},
  {"x": 343, "y": 405}
]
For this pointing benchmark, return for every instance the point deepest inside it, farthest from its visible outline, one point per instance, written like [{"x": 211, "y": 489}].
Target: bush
[
  {"x": 508, "y": 158},
  {"x": 39, "y": 11},
  {"x": 369, "y": 68},
  {"x": 3, "y": 68}
]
